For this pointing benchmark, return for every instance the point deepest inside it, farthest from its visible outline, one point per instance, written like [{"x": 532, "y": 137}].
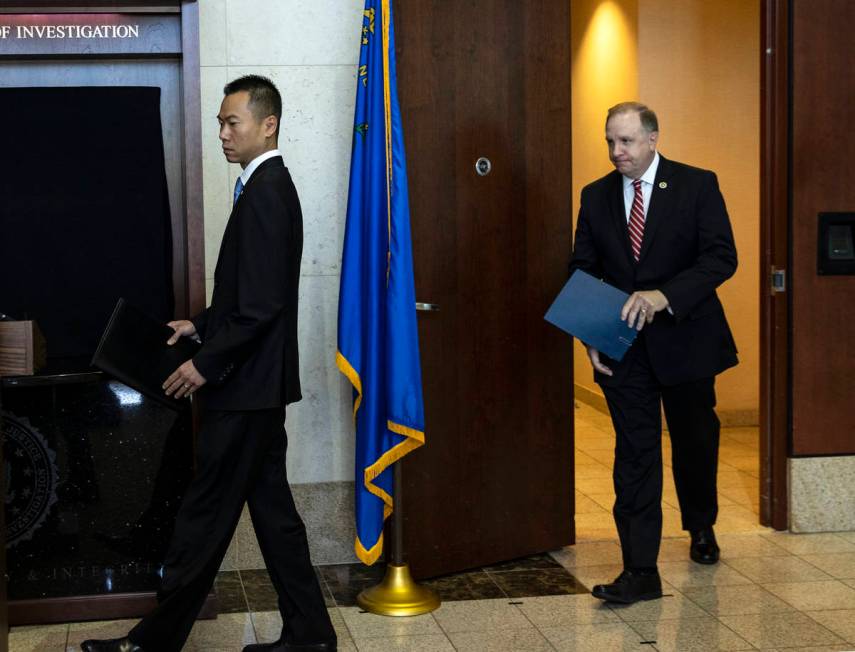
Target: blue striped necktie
[{"x": 238, "y": 191}]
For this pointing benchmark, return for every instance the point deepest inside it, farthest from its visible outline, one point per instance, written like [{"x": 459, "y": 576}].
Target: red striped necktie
[{"x": 636, "y": 220}]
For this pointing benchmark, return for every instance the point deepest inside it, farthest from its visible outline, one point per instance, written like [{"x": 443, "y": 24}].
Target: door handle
[{"x": 427, "y": 307}]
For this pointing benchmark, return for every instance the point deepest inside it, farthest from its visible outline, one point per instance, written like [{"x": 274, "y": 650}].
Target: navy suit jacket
[
  {"x": 249, "y": 333},
  {"x": 687, "y": 252}
]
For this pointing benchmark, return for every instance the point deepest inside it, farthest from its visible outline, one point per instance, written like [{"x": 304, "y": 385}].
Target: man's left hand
[
  {"x": 640, "y": 308},
  {"x": 184, "y": 381}
]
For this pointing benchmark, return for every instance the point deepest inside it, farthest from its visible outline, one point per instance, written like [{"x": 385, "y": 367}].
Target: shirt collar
[
  {"x": 649, "y": 175},
  {"x": 254, "y": 163}
]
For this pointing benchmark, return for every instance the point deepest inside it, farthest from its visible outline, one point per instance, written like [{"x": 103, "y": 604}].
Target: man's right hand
[
  {"x": 594, "y": 356},
  {"x": 182, "y": 328}
]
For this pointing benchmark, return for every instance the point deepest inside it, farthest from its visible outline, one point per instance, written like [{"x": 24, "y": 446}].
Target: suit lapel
[
  {"x": 661, "y": 204},
  {"x": 617, "y": 208},
  {"x": 275, "y": 161}
]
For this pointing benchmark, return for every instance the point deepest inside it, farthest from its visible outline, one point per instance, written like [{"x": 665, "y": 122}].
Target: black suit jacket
[
  {"x": 687, "y": 252},
  {"x": 249, "y": 333}
]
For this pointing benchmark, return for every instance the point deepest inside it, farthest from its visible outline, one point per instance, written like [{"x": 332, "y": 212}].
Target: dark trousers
[
  {"x": 694, "y": 429},
  {"x": 240, "y": 458}
]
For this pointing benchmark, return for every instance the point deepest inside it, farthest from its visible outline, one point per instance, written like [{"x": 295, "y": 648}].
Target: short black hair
[{"x": 264, "y": 97}]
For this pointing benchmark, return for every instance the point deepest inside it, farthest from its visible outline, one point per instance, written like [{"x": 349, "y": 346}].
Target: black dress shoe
[
  {"x": 704, "y": 549},
  {"x": 291, "y": 647},
  {"x": 629, "y": 587},
  {"x": 111, "y": 645}
]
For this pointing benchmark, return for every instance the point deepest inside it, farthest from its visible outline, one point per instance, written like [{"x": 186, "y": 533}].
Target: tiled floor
[{"x": 771, "y": 590}]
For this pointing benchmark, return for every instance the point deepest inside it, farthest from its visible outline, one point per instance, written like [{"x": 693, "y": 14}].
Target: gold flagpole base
[{"x": 398, "y": 595}]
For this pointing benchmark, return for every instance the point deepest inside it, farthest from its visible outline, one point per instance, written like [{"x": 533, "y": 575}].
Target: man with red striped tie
[{"x": 659, "y": 230}]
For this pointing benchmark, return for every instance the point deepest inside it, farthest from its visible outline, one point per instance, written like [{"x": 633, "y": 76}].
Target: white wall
[{"x": 310, "y": 50}]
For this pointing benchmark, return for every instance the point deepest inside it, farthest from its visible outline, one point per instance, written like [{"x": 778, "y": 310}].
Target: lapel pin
[{"x": 663, "y": 184}]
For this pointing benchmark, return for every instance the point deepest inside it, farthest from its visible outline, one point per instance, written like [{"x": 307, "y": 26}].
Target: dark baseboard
[{"x": 92, "y": 607}]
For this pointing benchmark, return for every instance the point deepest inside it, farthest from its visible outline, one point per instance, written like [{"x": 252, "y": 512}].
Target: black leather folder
[{"x": 133, "y": 350}]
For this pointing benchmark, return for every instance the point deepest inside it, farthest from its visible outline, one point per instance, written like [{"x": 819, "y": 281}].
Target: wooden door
[
  {"x": 822, "y": 149},
  {"x": 491, "y": 79},
  {"x": 806, "y": 364}
]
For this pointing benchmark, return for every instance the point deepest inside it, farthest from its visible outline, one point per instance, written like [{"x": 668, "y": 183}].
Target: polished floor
[{"x": 771, "y": 591}]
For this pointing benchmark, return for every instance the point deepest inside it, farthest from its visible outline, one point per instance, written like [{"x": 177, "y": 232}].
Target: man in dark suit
[
  {"x": 659, "y": 230},
  {"x": 245, "y": 374}
]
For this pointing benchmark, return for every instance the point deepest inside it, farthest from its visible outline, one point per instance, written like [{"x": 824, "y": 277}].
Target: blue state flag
[{"x": 378, "y": 346}]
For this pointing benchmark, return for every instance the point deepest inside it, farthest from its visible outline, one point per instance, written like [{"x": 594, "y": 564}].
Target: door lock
[{"x": 483, "y": 166}]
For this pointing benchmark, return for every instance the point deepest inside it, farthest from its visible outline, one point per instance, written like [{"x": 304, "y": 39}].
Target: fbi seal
[{"x": 31, "y": 477}]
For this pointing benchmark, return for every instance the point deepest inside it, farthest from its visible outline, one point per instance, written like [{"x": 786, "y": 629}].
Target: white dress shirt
[
  {"x": 647, "y": 180},
  {"x": 254, "y": 163}
]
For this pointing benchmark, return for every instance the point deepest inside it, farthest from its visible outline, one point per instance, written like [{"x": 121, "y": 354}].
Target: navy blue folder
[{"x": 589, "y": 310}]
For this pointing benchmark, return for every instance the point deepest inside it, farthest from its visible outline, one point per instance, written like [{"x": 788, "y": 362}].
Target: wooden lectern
[{"x": 22, "y": 348}]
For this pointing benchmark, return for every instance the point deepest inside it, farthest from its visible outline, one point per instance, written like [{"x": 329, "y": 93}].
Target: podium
[
  {"x": 96, "y": 472},
  {"x": 4, "y": 608}
]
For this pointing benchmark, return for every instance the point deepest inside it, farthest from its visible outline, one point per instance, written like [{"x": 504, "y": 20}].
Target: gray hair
[{"x": 648, "y": 118}]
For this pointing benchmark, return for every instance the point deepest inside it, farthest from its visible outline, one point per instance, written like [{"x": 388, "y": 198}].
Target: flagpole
[
  {"x": 377, "y": 320},
  {"x": 396, "y": 548},
  {"x": 398, "y": 594}
]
